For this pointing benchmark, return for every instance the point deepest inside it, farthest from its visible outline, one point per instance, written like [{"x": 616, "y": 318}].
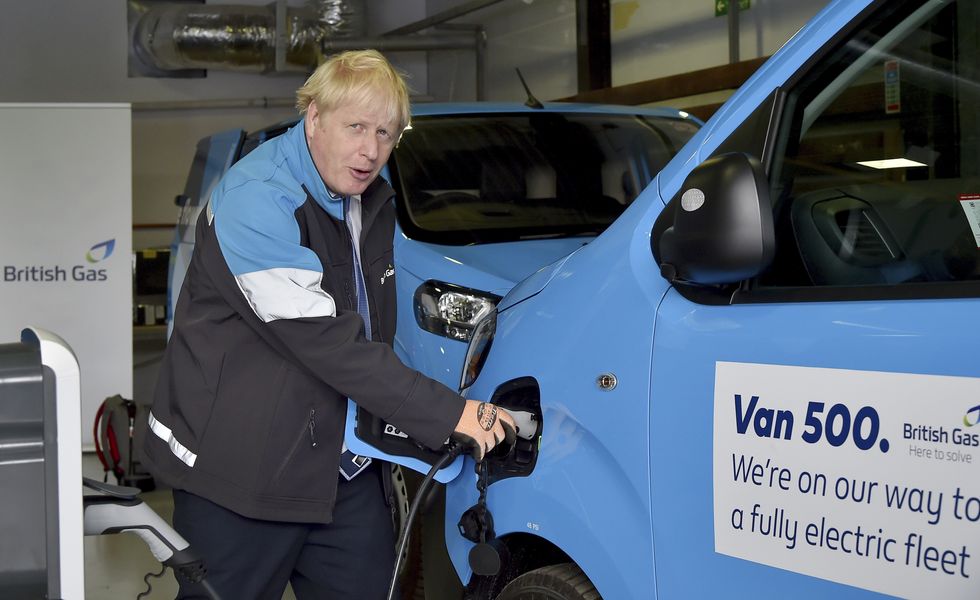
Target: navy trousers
[{"x": 351, "y": 558}]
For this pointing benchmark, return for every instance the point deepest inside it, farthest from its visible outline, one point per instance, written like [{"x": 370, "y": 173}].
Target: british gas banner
[
  {"x": 860, "y": 477},
  {"x": 66, "y": 237}
]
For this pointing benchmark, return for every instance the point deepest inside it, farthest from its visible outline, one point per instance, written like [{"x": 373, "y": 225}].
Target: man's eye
[
  {"x": 384, "y": 133},
  {"x": 356, "y": 126}
]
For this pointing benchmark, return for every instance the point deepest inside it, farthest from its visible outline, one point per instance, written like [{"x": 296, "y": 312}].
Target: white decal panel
[{"x": 859, "y": 477}]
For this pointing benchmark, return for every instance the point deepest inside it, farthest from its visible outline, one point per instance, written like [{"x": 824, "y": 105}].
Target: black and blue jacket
[{"x": 268, "y": 345}]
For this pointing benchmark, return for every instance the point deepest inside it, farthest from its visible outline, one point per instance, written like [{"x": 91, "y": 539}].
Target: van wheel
[{"x": 556, "y": 582}]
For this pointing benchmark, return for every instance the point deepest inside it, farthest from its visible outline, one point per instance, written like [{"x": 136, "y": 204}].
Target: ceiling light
[{"x": 890, "y": 163}]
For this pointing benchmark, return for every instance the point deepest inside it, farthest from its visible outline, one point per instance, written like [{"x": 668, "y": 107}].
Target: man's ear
[{"x": 311, "y": 118}]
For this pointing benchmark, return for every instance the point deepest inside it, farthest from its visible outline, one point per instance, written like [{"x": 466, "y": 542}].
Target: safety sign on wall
[
  {"x": 863, "y": 478},
  {"x": 721, "y": 6}
]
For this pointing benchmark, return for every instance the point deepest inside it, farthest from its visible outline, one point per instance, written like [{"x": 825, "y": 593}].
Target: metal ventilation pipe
[{"x": 256, "y": 39}]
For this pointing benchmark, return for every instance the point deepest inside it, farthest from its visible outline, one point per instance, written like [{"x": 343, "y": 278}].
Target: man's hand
[{"x": 482, "y": 426}]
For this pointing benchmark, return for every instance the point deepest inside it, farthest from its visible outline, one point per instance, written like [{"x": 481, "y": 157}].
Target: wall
[
  {"x": 650, "y": 39},
  {"x": 656, "y": 39}
]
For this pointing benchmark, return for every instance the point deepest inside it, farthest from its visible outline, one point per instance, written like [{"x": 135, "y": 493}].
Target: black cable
[
  {"x": 446, "y": 458},
  {"x": 146, "y": 580}
]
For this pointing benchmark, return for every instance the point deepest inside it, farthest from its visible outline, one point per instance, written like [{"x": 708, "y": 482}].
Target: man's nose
[{"x": 370, "y": 147}]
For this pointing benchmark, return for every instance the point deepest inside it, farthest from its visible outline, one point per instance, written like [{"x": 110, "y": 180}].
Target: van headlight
[
  {"x": 477, "y": 351},
  {"x": 450, "y": 310}
]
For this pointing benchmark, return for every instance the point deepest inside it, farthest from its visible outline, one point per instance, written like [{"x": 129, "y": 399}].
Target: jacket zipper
[
  {"x": 375, "y": 316},
  {"x": 312, "y": 428},
  {"x": 309, "y": 427}
]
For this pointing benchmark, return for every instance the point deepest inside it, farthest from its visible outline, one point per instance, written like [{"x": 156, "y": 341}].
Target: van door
[{"x": 814, "y": 430}]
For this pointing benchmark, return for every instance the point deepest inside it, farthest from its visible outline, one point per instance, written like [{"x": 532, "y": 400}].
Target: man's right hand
[{"x": 482, "y": 426}]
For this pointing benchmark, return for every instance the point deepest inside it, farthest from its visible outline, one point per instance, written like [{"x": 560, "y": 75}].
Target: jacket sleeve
[{"x": 275, "y": 284}]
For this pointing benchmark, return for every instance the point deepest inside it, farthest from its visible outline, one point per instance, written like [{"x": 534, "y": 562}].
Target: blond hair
[{"x": 358, "y": 77}]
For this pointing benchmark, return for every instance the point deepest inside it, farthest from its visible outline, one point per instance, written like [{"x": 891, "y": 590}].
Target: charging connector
[{"x": 526, "y": 422}]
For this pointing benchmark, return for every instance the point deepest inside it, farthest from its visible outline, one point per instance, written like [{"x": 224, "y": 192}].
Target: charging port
[{"x": 522, "y": 398}]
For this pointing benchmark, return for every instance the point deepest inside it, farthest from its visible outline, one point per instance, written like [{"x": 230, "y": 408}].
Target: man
[{"x": 282, "y": 317}]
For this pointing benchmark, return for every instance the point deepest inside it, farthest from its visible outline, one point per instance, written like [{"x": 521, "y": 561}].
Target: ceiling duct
[
  {"x": 186, "y": 38},
  {"x": 182, "y": 39}
]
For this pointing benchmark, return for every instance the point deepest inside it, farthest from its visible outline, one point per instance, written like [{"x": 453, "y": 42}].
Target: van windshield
[{"x": 471, "y": 179}]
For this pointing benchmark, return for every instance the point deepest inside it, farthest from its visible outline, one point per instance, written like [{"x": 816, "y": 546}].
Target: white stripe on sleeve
[{"x": 285, "y": 293}]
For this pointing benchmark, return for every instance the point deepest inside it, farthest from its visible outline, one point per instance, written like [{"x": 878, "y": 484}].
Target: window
[
  {"x": 878, "y": 180},
  {"x": 464, "y": 179}
]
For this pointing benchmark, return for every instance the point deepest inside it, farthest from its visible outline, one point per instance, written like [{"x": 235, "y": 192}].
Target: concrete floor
[{"x": 115, "y": 564}]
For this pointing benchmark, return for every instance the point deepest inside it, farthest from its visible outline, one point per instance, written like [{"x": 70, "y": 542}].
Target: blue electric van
[{"x": 762, "y": 379}]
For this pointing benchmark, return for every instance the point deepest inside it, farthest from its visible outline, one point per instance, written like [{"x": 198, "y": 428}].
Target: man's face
[{"x": 350, "y": 144}]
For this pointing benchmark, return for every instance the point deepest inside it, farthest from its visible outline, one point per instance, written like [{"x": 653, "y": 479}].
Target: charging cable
[
  {"x": 454, "y": 450},
  {"x": 526, "y": 425}
]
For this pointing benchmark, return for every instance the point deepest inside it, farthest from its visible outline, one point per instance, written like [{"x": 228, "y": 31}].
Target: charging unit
[
  {"x": 41, "y": 551},
  {"x": 43, "y": 513}
]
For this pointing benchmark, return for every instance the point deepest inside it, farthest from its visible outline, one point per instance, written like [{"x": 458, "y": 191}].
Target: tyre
[{"x": 556, "y": 582}]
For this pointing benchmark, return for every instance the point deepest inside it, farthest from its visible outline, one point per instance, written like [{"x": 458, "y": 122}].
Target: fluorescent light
[{"x": 890, "y": 163}]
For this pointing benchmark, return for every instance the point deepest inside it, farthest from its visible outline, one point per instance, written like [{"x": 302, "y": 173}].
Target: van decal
[{"x": 860, "y": 477}]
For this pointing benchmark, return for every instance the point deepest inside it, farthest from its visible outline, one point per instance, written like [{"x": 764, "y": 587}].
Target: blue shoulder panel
[{"x": 256, "y": 227}]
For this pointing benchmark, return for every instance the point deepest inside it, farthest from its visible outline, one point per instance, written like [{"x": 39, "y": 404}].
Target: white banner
[
  {"x": 66, "y": 237},
  {"x": 859, "y": 477}
]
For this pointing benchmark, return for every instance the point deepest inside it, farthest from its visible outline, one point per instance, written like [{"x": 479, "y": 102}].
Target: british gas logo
[
  {"x": 972, "y": 416},
  {"x": 388, "y": 273},
  {"x": 61, "y": 273},
  {"x": 100, "y": 251}
]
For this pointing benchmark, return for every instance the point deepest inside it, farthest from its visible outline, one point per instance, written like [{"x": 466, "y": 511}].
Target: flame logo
[
  {"x": 100, "y": 251},
  {"x": 970, "y": 422}
]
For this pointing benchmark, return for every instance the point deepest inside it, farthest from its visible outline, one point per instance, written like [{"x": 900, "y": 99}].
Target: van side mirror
[{"x": 722, "y": 229}]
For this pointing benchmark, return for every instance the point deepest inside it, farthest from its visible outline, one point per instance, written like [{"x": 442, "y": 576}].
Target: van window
[
  {"x": 468, "y": 179},
  {"x": 878, "y": 182}
]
